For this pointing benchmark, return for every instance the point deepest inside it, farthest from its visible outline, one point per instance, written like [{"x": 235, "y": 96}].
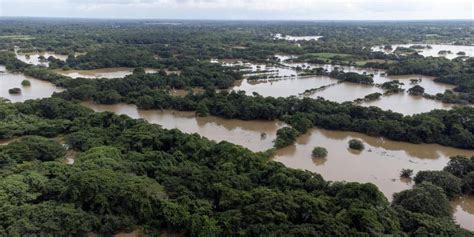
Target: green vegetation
[
  {"x": 372, "y": 96},
  {"x": 416, "y": 90},
  {"x": 406, "y": 173},
  {"x": 424, "y": 198},
  {"x": 14, "y": 91},
  {"x": 130, "y": 173},
  {"x": 285, "y": 136},
  {"x": 319, "y": 152},
  {"x": 356, "y": 144},
  {"x": 25, "y": 83}
]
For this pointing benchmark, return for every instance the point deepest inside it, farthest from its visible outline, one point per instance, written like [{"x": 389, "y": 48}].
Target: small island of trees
[
  {"x": 26, "y": 83},
  {"x": 356, "y": 145},
  {"x": 319, "y": 152},
  {"x": 14, "y": 91}
]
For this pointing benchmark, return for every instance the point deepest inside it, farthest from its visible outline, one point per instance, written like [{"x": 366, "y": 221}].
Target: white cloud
[{"x": 244, "y": 9}]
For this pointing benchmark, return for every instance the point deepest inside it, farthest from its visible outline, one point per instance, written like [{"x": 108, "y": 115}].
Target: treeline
[
  {"x": 446, "y": 127},
  {"x": 190, "y": 74},
  {"x": 129, "y": 174},
  {"x": 455, "y": 180},
  {"x": 151, "y": 91}
]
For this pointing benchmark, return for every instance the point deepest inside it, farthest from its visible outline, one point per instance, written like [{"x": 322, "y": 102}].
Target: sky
[{"x": 243, "y": 9}]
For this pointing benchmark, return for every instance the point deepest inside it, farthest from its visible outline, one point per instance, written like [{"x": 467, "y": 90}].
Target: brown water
[
  {"x": 38, "y": 88},
  {"x": 380, "y": 162},
  {"x": 464, "y": 212},
  {"x": 245, "y": 133},
  {"x": 297, "y": 38},
  {"x": 117, "y": 72},
  {"x": 433, "y": 52},
  {"x": 284, "y": 81},
  {"x": 33, "y": 58}
]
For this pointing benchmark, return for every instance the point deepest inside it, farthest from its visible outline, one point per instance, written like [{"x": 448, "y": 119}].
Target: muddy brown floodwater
[
  {"x": 434, "y": 51},
  {"x": 245, "y": 133},
  {"x": 33, "y": 58},
  {"x": 380, "y": 163},
  {"x": 117, "y": 72},
  {"x": 37, "y": 89},
  {"x": 284, "y": 82}
]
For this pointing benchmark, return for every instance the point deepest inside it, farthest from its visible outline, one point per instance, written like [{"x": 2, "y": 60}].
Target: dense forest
[
  {"x": 128, "y": 174},
  {"x": 148, "y": 91}
]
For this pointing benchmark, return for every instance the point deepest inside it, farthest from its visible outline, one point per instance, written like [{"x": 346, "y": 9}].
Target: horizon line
[{"x": 220, "y": 19}]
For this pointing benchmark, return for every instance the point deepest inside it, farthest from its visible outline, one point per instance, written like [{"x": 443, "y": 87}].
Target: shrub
[
  {"x": 26, "y": 83},
  {"x": 445, "y": 180},
  {"x": 14, "y": 91},
  {"x": 356, "y": 144},
  {"x": 406, "y": 173},
  {"x": 424, "y": 198},
  {"x": 319, "y": 152},
  {"x": 285, "y": 136}
]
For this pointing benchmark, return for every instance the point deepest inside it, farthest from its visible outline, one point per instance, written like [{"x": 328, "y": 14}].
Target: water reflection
[
  {"x": 117, "y": 72},
  {"x": 434, "y": 50},
  {"x": 380, "y": 162},
  {"x": 464, "y": 211},
  {"x": 280, "y": 79},
  {"x": 245, "y": 133},
  {"x": 297, "y": 38},
  {"x": 37, "y": 89},
  {"x": 34, "y": 58}
]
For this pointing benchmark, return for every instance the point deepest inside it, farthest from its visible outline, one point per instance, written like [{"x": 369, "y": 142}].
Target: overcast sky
[{"x": 244, "y": 9}]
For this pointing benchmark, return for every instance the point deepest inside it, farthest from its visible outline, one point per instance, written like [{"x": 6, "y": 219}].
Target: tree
[
  {"x": 424, "y": 198},
  {"x": 406, "y": 173},
  {"x": 145, "y": 102},
  {"x": 468, "y": 184},
  {"x": 319, "y": 152},
  {"x": 446, "y": 181},
  {"x": 25, "y": 83},
  {"x": 14, "y": 91},
  {"x": 460, "y": 166},
  {"x": 356, "y": 144},
  {"x": 139, "y": 70},
  {"x": 416, "y": 90},
  {"x": 201, "y": 109},
  {"x": 34, "y": 148},
  {"x": 285, "y": 136}
]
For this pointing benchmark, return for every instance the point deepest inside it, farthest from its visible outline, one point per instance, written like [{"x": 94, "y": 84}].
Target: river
[
  {"x": 380, "y": 163},
  {"x": 434, "y": 50}
]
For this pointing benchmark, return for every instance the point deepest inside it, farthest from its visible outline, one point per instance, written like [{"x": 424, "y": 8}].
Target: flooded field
[
  {"x": 464, "y": 212},
  {"x": 284, "y": 81},
  {"x": 451, "y": 51},
  {"x": 118, "y": 72},
  {"x": 255, "y": 135},
  {"x": 380, "y": 163},
  {"x": 39, "y": 58},
  {"x": 37, "y": 89},
  {"x": 297, "y": 38}
]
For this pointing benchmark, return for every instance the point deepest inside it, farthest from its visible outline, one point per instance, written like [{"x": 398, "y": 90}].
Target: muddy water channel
[
  {"x": 37, "y": 89},
  {"x": 118, "y": 72},
  {"x": 255, "y": 135},
  {"x": 34, "y": 58},
  {"x": 380, "y": 163},
  {"x": 284, "y": 81},
  {"x": 434, "y": 50}
]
